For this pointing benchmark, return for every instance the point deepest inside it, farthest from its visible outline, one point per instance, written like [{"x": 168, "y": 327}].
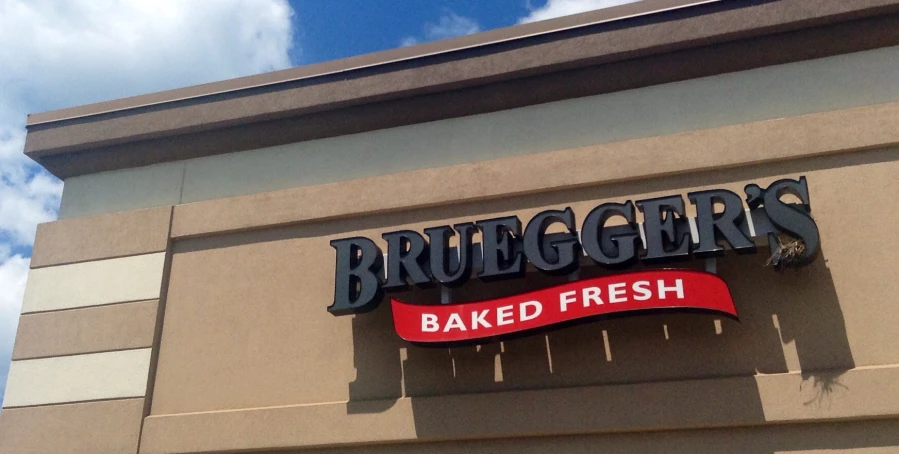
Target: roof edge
[
  {"x": 364, "y": 61},
  {"x": 711, "y": 38}
]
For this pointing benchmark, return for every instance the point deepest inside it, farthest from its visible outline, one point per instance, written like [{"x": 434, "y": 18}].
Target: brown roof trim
[
  {"x": 401, "y": 54},
  {"x": 687, "y": 43}
]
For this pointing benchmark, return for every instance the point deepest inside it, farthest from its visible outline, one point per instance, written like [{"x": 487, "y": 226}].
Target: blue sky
[
  {"x": 327, "y": 29},
  {"x": 60, "y": 53}
]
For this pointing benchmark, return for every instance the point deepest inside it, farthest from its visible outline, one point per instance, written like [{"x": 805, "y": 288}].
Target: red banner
[{"x": 637, "y": 292}]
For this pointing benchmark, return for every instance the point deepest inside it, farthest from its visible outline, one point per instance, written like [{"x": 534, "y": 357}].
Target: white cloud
[
  {"x": 408, "y": 41},
  {"x": 558, "y": 8},
  {"x": 13, "y": 271},
  {"x": 27, "y": 197},
  {"x": 449, "y": 25},
  {"x": 56, "y": 54}
]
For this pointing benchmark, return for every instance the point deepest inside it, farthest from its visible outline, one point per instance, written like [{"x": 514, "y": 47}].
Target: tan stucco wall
[
  {"x": 85, "y": 347},
  {"x": 224, "y": 289},
  {"x": 246, "y": 329},
  {"x": 239, "y": 352},
  {"x": 228, "y": 346},
  {"x": 864, "y": 437}
]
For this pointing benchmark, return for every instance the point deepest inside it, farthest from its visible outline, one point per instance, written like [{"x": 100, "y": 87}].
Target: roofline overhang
[
  {"x": 367, "y": 61},
  {"x": 633, "y": 45}
]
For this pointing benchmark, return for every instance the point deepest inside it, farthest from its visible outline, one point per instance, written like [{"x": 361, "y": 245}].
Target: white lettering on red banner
[{"x": 639, "y": 292}]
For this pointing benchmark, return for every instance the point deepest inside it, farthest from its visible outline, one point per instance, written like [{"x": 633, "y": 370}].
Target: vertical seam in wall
[
  {"x": 157, "y": 333},
  {"x": 181, "y": 188}
]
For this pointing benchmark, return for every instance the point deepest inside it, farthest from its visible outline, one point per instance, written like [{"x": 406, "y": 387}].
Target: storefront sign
[
  {"x": 619, "y": 294},
  {"x": 665, "y": 235}
]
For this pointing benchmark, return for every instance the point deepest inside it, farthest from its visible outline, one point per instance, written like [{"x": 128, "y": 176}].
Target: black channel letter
[
  {"x": 501, "y": 258},
  {"x": 787, "y": 217},
  {"x": 357, "y": 285},
  {"x": 566, "y": 247},
  {"x": 625, "y": 243},
  {"x": 407, "y": 257},
  {"x": 441, "y": 259},
  {"x": 723, "y": 226},
  {"x": 661, "y": 244}
]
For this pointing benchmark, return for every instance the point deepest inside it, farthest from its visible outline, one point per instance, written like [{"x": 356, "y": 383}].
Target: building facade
[{"x": 181, "y": 302}]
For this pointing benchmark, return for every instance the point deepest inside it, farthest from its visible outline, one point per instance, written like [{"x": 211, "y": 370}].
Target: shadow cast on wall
[{"x": 790, "y": 321}]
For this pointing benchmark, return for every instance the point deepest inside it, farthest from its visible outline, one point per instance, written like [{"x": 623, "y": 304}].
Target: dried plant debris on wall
[{"x": 788, "y": 254}]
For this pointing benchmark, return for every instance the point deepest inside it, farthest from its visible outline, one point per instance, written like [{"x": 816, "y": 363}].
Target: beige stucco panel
[
  {"x": 86, "y": 330},
  {"x": 94, "y": 283},
  {"x": 122, "y": 190},
  {"x": 94, "y": 376},
  {"x": 101, "y": 237},
  {"x": 863, "y": 437},
  {"x": 246, "y": 325},
  {"x": 107, "y": 427}
]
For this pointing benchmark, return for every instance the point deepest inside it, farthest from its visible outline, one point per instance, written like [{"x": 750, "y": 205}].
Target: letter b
[
  {"x": 357, "y": 281},
  {"x": 429, "y": 323}
]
